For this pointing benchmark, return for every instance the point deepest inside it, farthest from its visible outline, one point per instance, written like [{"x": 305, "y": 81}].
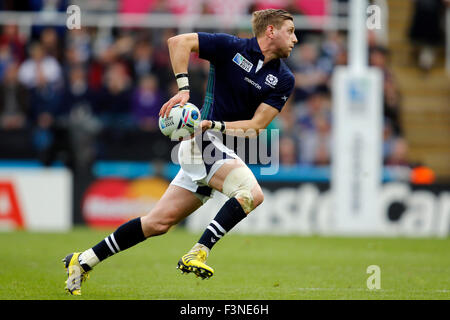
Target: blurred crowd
[
  {"x": 306, "y": 121},
  {"x": 83, "y": 87}
]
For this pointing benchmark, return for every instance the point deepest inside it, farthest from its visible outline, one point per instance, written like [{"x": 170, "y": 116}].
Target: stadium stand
[{"x": 87, "y": 95}]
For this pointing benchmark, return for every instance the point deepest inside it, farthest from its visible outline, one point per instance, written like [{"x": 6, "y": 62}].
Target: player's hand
[
  {"x": 180, "y": 98},
  {"x": 205, "y": 125}
]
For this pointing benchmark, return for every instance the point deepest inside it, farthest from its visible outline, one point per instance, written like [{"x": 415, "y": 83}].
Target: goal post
[{"x": 356, "y": 167}]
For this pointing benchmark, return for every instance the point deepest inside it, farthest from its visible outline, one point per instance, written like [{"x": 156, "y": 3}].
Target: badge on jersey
[
  {"x": 271, "y": 80},
  {"x": 242, "y": 62}
]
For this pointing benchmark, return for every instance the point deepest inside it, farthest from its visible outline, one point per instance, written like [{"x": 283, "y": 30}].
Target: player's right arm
[{"x": 180, "y": 48}]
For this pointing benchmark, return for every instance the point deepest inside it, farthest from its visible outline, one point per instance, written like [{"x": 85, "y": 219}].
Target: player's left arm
[{"x": 263, "y": 116}]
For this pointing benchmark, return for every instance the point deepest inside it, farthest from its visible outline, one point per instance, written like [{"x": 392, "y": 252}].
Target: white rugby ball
[{"x": 181, "y": 122}]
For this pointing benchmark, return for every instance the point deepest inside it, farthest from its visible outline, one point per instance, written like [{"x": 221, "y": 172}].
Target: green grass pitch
[{"x": 247, "y": 267}]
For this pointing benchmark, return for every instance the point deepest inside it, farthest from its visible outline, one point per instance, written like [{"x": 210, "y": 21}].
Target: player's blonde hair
[{"x": 263, "y": 18}]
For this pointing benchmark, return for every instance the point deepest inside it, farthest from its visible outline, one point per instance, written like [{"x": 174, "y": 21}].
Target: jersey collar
[{"x": 254, "y": 46}]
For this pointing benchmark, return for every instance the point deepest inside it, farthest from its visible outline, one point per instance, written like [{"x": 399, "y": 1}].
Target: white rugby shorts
[{"x": 200, "y": 158}]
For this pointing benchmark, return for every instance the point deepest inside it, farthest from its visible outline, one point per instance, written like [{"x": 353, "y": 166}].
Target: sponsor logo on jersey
[
  {"x": 242, "y": 62},
  {"x": 253, "y": 83},
  {"x": 271, "y": 80}
]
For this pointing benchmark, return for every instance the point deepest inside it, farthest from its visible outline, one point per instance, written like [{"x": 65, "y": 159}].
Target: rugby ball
[{"x": 181, "y": 122}]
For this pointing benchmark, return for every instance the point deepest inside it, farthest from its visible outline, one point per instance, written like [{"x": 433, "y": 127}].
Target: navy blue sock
[
  {"x": 228, "y": 216},
  {"x": 126, "y": 236}
]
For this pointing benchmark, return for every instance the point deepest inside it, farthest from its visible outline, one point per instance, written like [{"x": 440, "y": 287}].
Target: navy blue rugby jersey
[{"x": 238, "y": 82}]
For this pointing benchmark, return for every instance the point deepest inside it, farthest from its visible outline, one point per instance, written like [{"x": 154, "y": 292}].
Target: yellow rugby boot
[
  {"x": 76, "y": 274},
  {"x": 194, "y": 261}
]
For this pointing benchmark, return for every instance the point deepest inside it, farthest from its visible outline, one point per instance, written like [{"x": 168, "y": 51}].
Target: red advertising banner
[
  {"x": 10, "y": 212},
  {"x": 109, "y": 202}
]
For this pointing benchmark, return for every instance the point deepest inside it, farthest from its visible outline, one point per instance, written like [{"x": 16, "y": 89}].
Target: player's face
[{"x": 285, "y": 38}]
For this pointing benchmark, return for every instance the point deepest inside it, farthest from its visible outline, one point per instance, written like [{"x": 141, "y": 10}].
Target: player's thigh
[
  {"x": 175, "y": 205},
  {"x": 242, "y": 178}
]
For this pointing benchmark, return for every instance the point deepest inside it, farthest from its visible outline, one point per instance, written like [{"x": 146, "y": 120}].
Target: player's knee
[
  {"x": 241, "y": 184},
  {"x": 246, "y": 201},
  {"x": 250, "y": 200}
]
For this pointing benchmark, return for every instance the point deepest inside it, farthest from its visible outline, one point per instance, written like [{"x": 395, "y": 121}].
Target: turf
[{"x": 246, "y": 268}]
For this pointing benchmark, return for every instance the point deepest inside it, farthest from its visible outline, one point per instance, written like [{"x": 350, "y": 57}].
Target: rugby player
[{"x": 247, "y": 87}]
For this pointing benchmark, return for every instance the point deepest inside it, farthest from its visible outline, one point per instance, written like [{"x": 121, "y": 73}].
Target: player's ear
[{"x": 270, "y": 31}]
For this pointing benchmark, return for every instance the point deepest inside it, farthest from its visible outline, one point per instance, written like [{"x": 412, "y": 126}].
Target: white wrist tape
[
  {"x": 182, "y": 81},
  {"x": 218, "y": 125}
]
